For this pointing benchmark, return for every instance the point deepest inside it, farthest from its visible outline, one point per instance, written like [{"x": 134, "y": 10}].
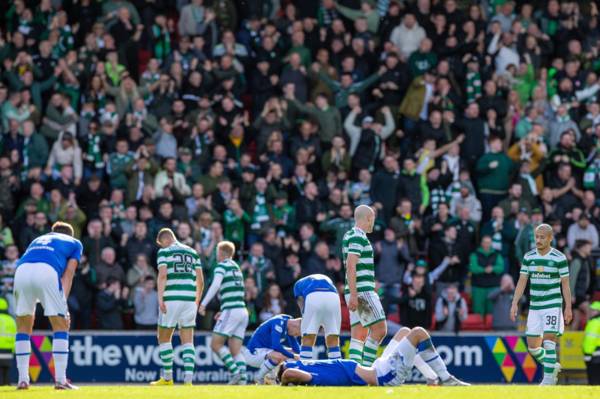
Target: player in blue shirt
[
  {"x": 392, "y": 369},
  {"x": 272, "y": 343},
  {"x": 45, "y": 274},
  {"x": 320, "y": 306}
]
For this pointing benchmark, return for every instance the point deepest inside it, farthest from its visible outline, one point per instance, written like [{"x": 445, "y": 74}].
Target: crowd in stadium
[{"x": 266, "y": 122}]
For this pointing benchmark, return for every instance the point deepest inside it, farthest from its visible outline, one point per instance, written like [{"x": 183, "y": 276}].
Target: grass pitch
[{"x": 277, "y": 392}]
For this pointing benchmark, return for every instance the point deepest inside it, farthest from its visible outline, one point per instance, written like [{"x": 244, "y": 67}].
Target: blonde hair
[
  {"x": 227, "y": 248},
  {"x": 164, "y": 232},
  {"x": 64, "y": 228}
]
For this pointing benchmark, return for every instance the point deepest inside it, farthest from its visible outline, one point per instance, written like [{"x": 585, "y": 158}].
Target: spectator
[
  {"x": 82, "y": 295},
  {"x": 108, "y": 267},
  {"x": 486, "y": 266},
  {"x": 407, "y": 36},
  {"x": 273, "y": 303},
  {"x": 450, "y": 310},
  {"x": 415, "y": 304},
  {"x": 141, "y": 269},
  {"x": 582, "y": 230},
  {"x": 581, "y": 281},
  {"x": 145, "y": 302},
  {"x": 110, "y": 303},
  {"x": 392, "y": 258},
  {"x": 501, "y": 298}
]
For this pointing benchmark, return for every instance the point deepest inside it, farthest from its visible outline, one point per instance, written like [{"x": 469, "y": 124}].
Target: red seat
[{"x": 473, "y": 322}]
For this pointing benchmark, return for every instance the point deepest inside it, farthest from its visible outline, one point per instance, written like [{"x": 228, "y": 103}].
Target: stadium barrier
[{"x": 132, "y": 357}]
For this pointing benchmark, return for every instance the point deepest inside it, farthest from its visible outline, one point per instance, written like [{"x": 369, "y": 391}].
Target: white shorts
[
  {"x": 321, "y": 309},
  {"x": 370, "y": 310},
  {"x": 257, "y": 357},
  {"x": 180, "y": 314},
  {"x": 232, "y": 323},
  {"x": 394, "y": 369},
  {"x": 545, "y": 321},
  {"x": 38, "y": 282}
]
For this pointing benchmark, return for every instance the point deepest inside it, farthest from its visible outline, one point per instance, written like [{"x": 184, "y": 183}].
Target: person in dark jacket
[
  {"x": 447, "y": 247},
  {"x": 81, "y": 298},
  {"x": 581, "y": 271},
  {"x": 392, "y": 256},
  {"x": 385, "y": 187},
  {"x": 473, "y": 127},
  {"x": 110, "y": 303},
  {"x": 415, "y": 304},
  {"x": 486, "y": 266},
  {"x": 413, "y": 186},
  {"x": 309, "y": 208}
]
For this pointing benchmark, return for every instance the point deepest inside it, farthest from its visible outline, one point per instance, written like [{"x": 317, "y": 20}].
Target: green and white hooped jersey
[
  {"x": 181, "y": 262},
  {"x": 545, "y": 272},
  {"x": 355, "y": 241},
  {"x": 231, "y": 292}
]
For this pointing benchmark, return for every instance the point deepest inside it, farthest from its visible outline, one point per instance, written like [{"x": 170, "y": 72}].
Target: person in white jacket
[
  {"x": 169, "y": 178},
  {"x": 407, "y": 36},
  {"x": 65, "y": 151}
]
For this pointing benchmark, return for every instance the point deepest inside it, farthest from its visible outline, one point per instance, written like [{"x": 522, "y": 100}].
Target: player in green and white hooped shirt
[
  {"x": 366, "y": 313},
  {"x": 548, "y": 270},
  {"x": 233, "y": 317},
  {"x": 180, "y": 283}
]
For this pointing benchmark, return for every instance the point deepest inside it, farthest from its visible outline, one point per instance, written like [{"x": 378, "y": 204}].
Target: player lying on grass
[
  {"x": 392, "y": 369},
  {"x": 272, "y": 343}
]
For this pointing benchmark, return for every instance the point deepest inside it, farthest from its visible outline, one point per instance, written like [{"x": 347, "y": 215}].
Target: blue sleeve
[
  {"x": 77, "y": 250},
  {"x": 294, "y": 344},
  {"x": 297, "y": 289},
  {"x": 276, "y": 333}
]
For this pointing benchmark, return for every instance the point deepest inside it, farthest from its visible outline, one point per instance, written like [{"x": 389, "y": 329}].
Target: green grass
[{"x": 276, "y": 392}]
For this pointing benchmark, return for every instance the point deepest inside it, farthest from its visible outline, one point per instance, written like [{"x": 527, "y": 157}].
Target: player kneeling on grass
[
  {"x": 232, "y": 320},
  {"x": 320, "y": 305},
  {"x": 272, "y": 343},
  {"x": 392, "y": 369},
  {"x": 180, "y": 284}
]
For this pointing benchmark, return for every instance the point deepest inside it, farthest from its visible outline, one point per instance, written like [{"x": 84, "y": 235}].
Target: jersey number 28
[{"x": 183, "y": 263}]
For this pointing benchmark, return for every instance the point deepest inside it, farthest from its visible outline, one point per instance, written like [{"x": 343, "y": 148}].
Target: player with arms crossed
[
  {"x": 319, "y": 302},
  {"x": 392, "y": 369},
  {"x": 272, "y": 343},
  {"x": 367, "y": 319},
  {"x": 232, "y": 320},
  {"x": 45, "y": 274},
  {"x": 549, "y": 272},
  {"x": 180, "y": 283}
]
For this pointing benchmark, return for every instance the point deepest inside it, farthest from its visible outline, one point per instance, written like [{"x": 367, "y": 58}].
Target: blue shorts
[{"x": 329, "y": 372}]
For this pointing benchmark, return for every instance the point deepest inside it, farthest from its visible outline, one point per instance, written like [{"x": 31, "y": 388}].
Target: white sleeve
[
  {"x": 353, "y": 132},
  {"x": 212, "y": 291}
]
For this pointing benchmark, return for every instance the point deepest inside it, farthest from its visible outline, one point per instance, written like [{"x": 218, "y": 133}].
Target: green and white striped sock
[
  {"x": 240, "y": 361},
  {"x": 165, "y": 352},
  {"x": 549, "y": 358},
  {"x": 370, "y": 352},
  {"x": 356, "y": 350},
  {"x": 227, "y": 359},
  {"x": 538, "y": 354},
  {"x": 188, "y": 354}
]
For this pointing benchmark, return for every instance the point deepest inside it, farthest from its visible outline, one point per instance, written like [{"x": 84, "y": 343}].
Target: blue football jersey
[
  {"x": 273, "y": 334},
  {"x": 313, "y": 283},
  {"x": 54, "y": 249},
  {"x": 338, "y": 372}
]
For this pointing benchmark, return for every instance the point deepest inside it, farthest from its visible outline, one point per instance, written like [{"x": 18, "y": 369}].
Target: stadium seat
[{"x": 473, "y": 322}]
